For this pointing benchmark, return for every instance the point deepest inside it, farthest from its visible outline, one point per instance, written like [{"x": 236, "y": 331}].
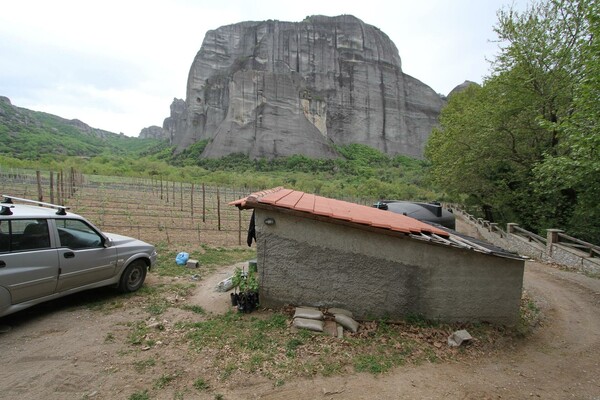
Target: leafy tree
[
  {"x": 575, "y": 168},
  {"x": 494, "y": 139}
]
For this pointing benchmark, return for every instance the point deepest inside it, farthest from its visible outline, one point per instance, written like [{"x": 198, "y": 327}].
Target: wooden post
[
  {"x": 181, "y": 196},
  {"x": 218, "y": 209},
  {"x": 203, "y": 204},
  {"x": 51, "y": 187},
  {"x": 161, "y": 190},
  {"x": 39, "y": 185},
  {"x": 239, "y": 226},
  {"x": 72, "y": 188},
  {"x": 167, "y": 188},
  {"x": 173, "y": 193},
  {"x": 551, "y": 239},
  {"x": 192, "y": 201},
  {"x": 61, "y": 189}
]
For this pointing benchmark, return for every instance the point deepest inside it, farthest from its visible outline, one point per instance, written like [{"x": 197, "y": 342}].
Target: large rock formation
[
  {"x": 154, "y": 132},
  {"x": 273, "y": 88}
]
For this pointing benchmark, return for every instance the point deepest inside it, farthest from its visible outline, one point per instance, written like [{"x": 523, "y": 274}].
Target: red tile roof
[{"x": 336, "y": 209}]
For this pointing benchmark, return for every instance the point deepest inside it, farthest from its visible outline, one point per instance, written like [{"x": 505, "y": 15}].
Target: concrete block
[
  {"x": 458, "y": 338},
  {"x": 192, "y": 264}
]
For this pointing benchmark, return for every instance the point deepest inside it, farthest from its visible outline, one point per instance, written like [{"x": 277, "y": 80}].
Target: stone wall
[{"x": 307, "y": 262}]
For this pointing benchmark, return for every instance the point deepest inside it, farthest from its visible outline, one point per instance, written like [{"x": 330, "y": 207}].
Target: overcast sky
[{"x": 117, "y": 65}]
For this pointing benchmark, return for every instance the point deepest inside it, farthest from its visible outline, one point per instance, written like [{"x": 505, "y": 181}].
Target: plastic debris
[
  {"x": 182, "y": 258},
  {"x": 225, "y": 285}
]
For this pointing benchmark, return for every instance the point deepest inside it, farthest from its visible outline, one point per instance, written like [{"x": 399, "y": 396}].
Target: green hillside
[
  {"x": 33, "y": 135},
  {"x": 30, "y": 138}
]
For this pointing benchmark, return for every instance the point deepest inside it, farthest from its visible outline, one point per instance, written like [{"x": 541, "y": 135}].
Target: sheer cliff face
[{"x": 270, "y": 89}]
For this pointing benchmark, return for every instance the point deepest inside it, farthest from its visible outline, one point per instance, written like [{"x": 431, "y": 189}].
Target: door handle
[
  {"x": 69, "y": 254},
  {"x": 2, "y": 264}
]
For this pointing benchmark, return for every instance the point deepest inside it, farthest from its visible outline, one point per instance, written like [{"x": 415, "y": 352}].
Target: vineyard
[{"x": 152, "y": 210}]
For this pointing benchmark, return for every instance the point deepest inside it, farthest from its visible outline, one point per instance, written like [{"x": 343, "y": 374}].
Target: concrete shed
[{"x": 316, "y": 251}]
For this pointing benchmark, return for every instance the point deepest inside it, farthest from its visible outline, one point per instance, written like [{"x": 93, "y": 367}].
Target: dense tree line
[{"x": 524, "y": 146}]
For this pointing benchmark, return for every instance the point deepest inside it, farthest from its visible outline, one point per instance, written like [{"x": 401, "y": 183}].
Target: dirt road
[{"x": 57, "y": 352}]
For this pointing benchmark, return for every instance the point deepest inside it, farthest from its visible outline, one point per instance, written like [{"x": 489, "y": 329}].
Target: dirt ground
[{"x": 57, "y": 351}]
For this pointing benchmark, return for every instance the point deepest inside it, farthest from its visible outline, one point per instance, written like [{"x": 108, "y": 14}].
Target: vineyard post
[
  {"x": 167, "y": 189},
  {"x": 60, "y": 188},
  {"x": 218, "y": 209},
  {"x": 180, "y": 196},
  {"x": 161, "y": 192},
  {"x": 239, "y": 226},
  {"x": 198, "y": 229},
  {"x": 192, "y": 201},
  {"x": 173, "y": 193},
  {"x": 51, "y": 187},
  {"x": 39, "y": 186},
  {"x": 203, "y": 204},
  {"x": 72, "y": 185}
]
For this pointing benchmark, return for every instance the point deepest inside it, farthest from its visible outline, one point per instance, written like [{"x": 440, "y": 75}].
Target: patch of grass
[
  {"x": 142, "y": 365},
  {"x": 331, "y": 368},
  {"x": 194, "y": 308},
  {"x": 291, "y": 347},
  {"x": 420, "y": 321},
  {"x": 165, "y": 380},
  {"x": 201, "y": 384},
  {"x": 209, "y": 257},
  {"x": 109, "y": 338},
  {"x": 138, "y": 333},
  {"x": 529, "y": 315},
  {"x": 373, "y": 363},
  {"x": 139, "y": 396},
  {"x": 159, "y": 298}
]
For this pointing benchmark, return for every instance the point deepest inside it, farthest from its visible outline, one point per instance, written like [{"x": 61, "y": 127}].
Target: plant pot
[{"x": 234, "y": 299}]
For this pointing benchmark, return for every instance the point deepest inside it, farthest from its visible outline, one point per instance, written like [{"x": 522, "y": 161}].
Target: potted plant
[{"x": 246, "y": 290}]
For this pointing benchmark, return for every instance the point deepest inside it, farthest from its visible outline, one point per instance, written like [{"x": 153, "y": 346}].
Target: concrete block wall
[{"x": 307, "y": 262}]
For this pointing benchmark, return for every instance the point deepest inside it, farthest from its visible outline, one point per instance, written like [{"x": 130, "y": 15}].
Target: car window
[
  {"x": 24, "y": 234},
  {"x": 76, "y": 234}
]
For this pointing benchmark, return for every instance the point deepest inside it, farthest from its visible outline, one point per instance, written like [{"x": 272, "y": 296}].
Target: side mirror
[{"x": 107, "y": 242}]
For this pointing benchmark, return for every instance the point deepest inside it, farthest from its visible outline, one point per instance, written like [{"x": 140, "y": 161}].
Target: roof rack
[{"x": 60, "y": 210}]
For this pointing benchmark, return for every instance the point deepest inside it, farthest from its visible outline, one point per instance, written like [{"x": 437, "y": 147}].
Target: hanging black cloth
[{"x": 251, "y": 231}]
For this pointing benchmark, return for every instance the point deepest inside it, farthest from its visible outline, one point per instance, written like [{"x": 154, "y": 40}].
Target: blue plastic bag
[{"x": 182, "y": 258}]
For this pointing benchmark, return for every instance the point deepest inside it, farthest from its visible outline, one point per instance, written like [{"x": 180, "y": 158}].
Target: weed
[
  {"x": 201, "y": 384},
  {"x": 291, "y": 347},
  {"x": 138, "y": 333},
  {"x": 194, "y": 308},
  {"x": 141, "y": 365},
  {"x": 331, "y": 368},
  {"x": 279, "y": 382},
  {"x": 420, "y": 321},
  {"x": 139, "y": 396},
  {"x": 218, "y": 396},
  {"x": 109, "y": 338},
  {"x": 157, "y": 306},
  {"x": 228, "y": 370},
  {"x": 373, "y": 363},
  {"x": 165, "y": 379}
]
